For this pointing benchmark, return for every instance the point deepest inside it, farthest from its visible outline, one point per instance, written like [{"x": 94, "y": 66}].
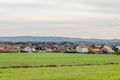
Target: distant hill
[
  {"x": 36, "y": 39},
  {"x": 56, "y": 39}
]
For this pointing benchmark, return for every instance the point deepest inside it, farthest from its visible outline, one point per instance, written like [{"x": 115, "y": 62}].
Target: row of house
[
  {"x": 11, "y": 48},
  {"x": 82, "y": 48},
  {"x": 40, "y": 48}
]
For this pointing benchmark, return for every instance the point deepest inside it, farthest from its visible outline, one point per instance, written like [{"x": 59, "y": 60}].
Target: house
[
  {"x": 26, "y": 49},
  {"x": 11, "y": 48},
  {"x": 96, "y": 48},
  {"x": 56, "y": 48},
  {"x": 2, "y": 49},
  {"x": 62, "y": 48},
  {"x": 40, "y": 48},
  {"x": 107, "y": 49},
  {"x": 70, "y": 49},
  {"x": 117, "y": 49},
  {"x": 82, "y": 48}
]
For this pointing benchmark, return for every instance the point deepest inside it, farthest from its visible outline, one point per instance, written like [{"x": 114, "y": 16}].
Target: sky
[{"x": 65, "y": 18}]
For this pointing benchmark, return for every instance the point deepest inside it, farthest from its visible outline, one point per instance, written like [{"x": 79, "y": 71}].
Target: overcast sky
[{"x": 68, "y": 18}]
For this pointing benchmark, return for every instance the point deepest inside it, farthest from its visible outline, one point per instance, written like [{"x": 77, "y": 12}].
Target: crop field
[{"x": 59, "y": 66}]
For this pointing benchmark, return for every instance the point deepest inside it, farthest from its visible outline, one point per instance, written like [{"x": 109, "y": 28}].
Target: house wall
[
  {"x": 117, "y": 50},
  {"x": 28, "y": 49},
  {"x": 83, "y": 50}
]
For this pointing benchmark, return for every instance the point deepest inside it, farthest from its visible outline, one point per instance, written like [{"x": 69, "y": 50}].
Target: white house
[
  {"x": 81, "y": 49},
  {"x": 26, "y": 49}
]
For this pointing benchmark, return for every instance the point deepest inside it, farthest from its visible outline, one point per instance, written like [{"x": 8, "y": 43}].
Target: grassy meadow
[
  {"x": 36, "y": 59},
  {"x": 96, "y": 72},
  {"x": 101, "y": 66}
]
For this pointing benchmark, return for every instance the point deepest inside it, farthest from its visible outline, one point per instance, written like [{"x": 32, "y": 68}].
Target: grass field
[
  {"x": 93, "y": 71},
  {"x": 56, "y": 59},
  {"x": 96, "y": 72}
]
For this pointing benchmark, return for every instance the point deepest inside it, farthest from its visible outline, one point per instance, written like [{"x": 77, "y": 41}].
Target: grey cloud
[
  {"x": 65, "y": 16},
  {"x": 96, "y": 5},
  {"x": 100, "y": 5},
  {"x": 23, "y": 5}
]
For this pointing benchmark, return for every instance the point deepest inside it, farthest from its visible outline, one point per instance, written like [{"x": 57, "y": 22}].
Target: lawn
[
  {"x": 36, "y": 59},
  {"x": 93, "y": 72}
]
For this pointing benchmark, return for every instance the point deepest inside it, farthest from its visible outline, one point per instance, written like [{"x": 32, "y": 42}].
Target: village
[{"x": 65, "y": 47}]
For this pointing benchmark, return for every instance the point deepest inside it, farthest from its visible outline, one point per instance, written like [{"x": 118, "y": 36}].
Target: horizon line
[{"x": 61, "y": 37}]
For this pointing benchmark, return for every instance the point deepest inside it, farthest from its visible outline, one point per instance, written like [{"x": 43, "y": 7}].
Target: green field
[
  {"x": 98, "y": 72},
  {"x": 101, "y": 66},
  {"x": 34, "y": 59}
]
